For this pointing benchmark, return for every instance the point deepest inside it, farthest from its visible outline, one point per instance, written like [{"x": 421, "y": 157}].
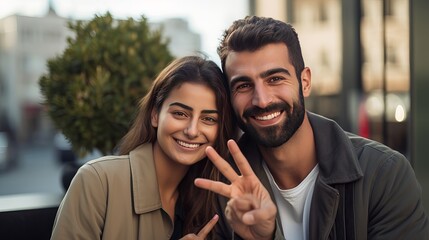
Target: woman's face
[{"x": 186, "y": 124}]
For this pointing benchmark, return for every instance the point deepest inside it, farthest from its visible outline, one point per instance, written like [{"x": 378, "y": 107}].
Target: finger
[
  {"x": 227, "y": 212},
  {"x": 221, "y": 164},
  {"x": 189, "y": 236},
  {"x": 241, "y": 161},
  {"x": 208, "y": 227},
  {"x": 238, "y": 206},
  {"x": 244, "y": 203},
  {"x": 232, "y": 215},
  {"x": 259, "y": 215},
  {"x": 214, "y": 186}
]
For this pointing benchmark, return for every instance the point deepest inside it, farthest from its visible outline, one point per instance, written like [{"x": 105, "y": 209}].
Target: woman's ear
[
  {"x": 154, "y": 118},
  {"x": 306, "y": 81}
]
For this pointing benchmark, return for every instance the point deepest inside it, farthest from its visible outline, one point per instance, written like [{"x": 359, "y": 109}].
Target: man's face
[{"x": 266, "y": 95}]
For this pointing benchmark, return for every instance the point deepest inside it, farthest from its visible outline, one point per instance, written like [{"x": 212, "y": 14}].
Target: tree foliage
[{"x": 91, "y": 90}]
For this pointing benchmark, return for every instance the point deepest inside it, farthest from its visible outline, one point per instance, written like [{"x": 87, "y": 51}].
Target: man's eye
[
  {"x": 275, "y": 79},
  {"x": 242, "y": 87}
]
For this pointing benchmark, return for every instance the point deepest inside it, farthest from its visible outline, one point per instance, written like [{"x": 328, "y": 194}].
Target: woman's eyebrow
[
  {"x": 181, "y": 105},
  {"x": 190, "y": 108}
]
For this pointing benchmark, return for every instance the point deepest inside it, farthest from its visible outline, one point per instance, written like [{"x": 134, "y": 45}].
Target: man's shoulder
[
  {"x": 374, "y": 155},
  {"x": 370, "y": 146},
  {"x": 364, "y": 149}
]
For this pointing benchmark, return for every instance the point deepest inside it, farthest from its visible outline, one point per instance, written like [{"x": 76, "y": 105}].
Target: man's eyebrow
[
  {"x": 262, "y": 75},
  {"x": 190, "y": 108},
  {"x": 274, "y": 71},
  {"x": 238, "y": 79}
]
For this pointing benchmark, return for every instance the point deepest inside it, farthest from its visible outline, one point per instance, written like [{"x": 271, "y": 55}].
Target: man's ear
[
  {"x": 154, "y": 118},
  {"x": 306, "y": 81}
]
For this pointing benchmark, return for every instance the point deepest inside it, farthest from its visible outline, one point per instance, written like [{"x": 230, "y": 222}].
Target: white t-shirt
[{"x": 293, "y": 205}]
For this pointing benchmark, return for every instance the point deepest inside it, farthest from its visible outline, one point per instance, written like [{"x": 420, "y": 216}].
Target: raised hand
[
  {"x": 250, "y": 210},
  {"x": 202, "y": 234}
]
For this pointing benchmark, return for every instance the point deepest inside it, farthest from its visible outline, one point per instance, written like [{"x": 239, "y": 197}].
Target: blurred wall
[
  {"x": 419, "y": 53},
  {"x": 368, "y": 59}
]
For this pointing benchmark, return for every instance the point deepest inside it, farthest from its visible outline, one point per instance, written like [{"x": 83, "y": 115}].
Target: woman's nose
[{"x": 192, "y": 130}]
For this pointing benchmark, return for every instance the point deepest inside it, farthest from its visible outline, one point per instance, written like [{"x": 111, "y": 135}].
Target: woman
[{"x": 147, "y": 192}]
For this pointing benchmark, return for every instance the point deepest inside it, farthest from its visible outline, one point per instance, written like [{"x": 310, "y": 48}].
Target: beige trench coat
[{"x": 114, "y": 197}]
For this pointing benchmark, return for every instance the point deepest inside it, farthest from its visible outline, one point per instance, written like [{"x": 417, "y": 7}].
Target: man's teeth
[
  {"x": 268, "y": 117},
  {"x": 188, "y": 145}
]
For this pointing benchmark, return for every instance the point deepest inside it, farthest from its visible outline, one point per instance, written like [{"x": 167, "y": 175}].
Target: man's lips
[{"x": 267, "y": 117}]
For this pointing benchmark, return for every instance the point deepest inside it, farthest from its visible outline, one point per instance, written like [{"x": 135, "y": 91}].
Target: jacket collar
[
  {"x": 337, "y": 162},
  {"x": 334, "y": 150},
  {"x": 145, "y": 190},
  {"x": 335, "y": 153}
]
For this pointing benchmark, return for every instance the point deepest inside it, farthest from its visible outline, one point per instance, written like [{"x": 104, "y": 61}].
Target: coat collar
[
  {"x": 337, "y": 162},
  {"x": 145, "y": 190},
  {"x": 335, "y": 153},
  {"x": 334, "y": 150}
]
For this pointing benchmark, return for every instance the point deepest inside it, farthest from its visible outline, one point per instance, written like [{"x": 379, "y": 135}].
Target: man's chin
[{"x": 270, "y": 143}]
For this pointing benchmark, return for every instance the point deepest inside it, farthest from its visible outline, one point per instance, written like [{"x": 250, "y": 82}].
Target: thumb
[{"x": 259, "y": 215}]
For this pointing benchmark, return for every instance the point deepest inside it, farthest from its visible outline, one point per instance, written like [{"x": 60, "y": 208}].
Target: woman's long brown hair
[{"x": 199, "y": 205}]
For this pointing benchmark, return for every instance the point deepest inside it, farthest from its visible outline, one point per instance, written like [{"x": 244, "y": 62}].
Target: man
[{"x": 326, "y": 183}]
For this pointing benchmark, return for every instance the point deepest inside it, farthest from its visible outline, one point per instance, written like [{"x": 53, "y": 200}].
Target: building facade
[
  {"x": 26, "y": 43},
  {"x": 376, "y": 59},
  {"x": 360, "y": 74}
]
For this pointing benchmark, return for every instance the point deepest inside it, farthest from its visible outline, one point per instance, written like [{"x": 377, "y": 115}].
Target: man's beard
[{"x": 274, "y": 136}]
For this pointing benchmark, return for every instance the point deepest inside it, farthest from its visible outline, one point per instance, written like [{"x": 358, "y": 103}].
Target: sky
[{"x": 206, "y": 17}]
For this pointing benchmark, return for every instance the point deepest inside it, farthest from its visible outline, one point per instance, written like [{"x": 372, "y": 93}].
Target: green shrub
[{"x": 91, "y": 90}]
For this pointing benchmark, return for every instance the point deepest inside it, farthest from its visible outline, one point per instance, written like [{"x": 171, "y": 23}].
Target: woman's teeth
[{"x": 188, "y": 145}]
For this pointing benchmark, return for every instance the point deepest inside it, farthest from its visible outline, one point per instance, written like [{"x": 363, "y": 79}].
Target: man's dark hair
[{"x": 252, "y": 33}]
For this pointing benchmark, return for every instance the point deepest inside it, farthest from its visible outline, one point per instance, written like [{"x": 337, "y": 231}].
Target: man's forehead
[{"x": 255, "y": 63}]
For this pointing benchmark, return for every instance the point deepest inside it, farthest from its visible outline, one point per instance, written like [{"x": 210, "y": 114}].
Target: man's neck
[{"x": 291, "y": 162}]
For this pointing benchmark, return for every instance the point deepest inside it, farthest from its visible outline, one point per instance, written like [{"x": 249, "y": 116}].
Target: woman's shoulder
[
  {"x": 108, "y": 164},
  {"x": 110, "y": 159}
]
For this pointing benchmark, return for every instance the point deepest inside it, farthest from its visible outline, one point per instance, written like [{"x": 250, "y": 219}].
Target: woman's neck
[{"x": 169, "y": 175}]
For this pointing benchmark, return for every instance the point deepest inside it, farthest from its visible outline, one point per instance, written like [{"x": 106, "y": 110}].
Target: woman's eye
[
  {"x": 210, "y": 120},
  {"x": 179, "y": 114}
]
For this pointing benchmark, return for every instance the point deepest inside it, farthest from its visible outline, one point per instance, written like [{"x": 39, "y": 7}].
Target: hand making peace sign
[{"x": 250, "y": 210}]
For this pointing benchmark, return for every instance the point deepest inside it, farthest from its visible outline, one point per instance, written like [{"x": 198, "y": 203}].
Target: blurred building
[
  {"x": 26, "y": 43},
  {"x": 386, "y": 81},
  {"x": 370, "y": 72},
  {"x": 182, "y": 41},
  {"x": 358, "y": 52}
]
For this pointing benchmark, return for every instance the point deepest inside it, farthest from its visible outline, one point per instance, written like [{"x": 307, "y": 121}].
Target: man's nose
[{"x": 261, "y": 96}]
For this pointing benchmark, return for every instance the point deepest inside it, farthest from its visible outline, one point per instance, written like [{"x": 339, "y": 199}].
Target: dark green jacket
[{"x": 364, "y": 190}]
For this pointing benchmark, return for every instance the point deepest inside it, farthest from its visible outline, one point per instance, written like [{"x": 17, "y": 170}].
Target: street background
[
  {"x": 367, "y": 77},
  {"x": 37, "y": 170}
]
